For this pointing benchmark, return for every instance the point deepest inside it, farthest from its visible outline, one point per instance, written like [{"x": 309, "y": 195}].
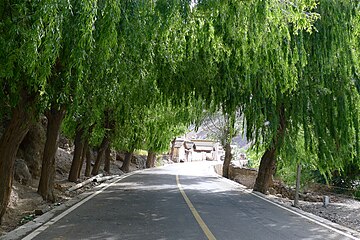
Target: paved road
[{"x": 181, "y": 201}]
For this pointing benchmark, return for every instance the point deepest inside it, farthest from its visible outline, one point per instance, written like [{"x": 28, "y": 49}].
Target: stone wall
[
  {"x": 244, "y": 176},
  {"x": 235, "y": 171}
]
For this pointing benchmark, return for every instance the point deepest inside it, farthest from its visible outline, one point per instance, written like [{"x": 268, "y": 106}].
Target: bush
[
  {"x": 357, "y": 193},
  {"x": 254, "y": 157}
]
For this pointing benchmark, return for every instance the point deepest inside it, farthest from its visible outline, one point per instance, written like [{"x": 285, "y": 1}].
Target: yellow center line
[{"x": 201, "y": 222}]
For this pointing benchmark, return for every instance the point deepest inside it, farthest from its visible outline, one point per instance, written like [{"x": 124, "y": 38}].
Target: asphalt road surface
[{"x": 180, "y": 201}]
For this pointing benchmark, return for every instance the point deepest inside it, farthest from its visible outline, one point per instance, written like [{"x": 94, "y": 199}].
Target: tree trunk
[
  {"x": 46, "y": 184},
  {"x": 76, "y": 162},
  {"x": 150, "y": 160},
  {"x": 172, "y": 148},
  {"x": 86, "y": 153},
  {"x": 268, "y": 160},
  {"x": 88, "y": 162},
  {"x": 83, "y": 156},
  {"x": 227, "y": 160},
  {"x": 109, "y": 126},
  {"x": 104, "y": 145},
  {"x": 266, "y": 170},
  {"x": 126, "y": 163},
  {"x": 15, "y": 131},
  {"x": 107, "y": 159}
]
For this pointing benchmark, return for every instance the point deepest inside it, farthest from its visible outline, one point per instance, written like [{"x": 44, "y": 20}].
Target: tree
[
  {"x": 78, "y": 154},
  {"x": 136, "y": 76},
  {"x": 262, "y": 58},
  {"x": 92, "y": 92},
  {"x": 129, "y": 135},
  {"x": 46, "y": 183},
  {"x": 66, "y": 80},
  {"x": 322, "y": 102},
  {"x": 223, "y": 127},
  {"x": 243, "y": 52},
  {"x": 162, "y": 123},
  {"x": 29, "y": 45},
  {"x": 109, "y": 127}
]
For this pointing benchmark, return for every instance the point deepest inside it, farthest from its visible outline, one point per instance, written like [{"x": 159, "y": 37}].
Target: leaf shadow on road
[{"x": 149, "y": 205}]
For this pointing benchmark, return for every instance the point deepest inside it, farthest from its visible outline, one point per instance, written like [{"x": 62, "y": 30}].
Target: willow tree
[
  {"x": 135, "y": 75},
  {"x": 254, "y": 55},
  {"x": 98, "y": 85},
  {"x": 68, "y": 72},
  {"x": 312, "y": 89},
  {"x": 128, "y": 132},
  {"x": 29, "y": 45},
  {"x": 162, "y": 123},
  {"x": 290, "y": 77},
  {"x": 328, "y": 90},
  {"x": 239, "y": 56},
  {"x": 271, "y": 78},
  {"x": 223, "y": 128}
]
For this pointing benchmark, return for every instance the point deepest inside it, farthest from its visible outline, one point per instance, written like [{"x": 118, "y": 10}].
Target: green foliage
[
  {"x": 163, "y": 122},
  {"x": 254, "y": 157},
  {"x": 91, "y": 86},
  {"x": 29, "y": 45},
  {"x": 293, "y": 153},
  {"x": 140, "y": 152},
  {"x": 328, "y": 99},
  {"x": 357, "y": 193},
  {"x": 156, "y": 65}
]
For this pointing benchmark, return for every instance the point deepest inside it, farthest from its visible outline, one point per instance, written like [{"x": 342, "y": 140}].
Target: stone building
[{"x": 196, "y": 150}]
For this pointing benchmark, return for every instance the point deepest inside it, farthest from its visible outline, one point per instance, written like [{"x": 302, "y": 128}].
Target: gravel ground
[{"x": 344, "y": 211}]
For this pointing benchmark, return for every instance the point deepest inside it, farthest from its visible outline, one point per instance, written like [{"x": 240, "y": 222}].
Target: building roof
[
  {"x": 203, "y": 145},
  {"x": 203, "y": 148},
  {"x": 203, "y": 142}
]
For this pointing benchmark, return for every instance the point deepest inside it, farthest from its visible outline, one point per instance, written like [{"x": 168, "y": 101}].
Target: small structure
[
  {"x": 177, "y": 150},
  {"x": 195, "y": 150}
]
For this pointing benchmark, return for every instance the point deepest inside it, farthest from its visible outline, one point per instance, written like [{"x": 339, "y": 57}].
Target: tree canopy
[{"x": 136, "y": 72}]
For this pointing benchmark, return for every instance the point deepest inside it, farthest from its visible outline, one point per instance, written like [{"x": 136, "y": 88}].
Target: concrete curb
[
  {"x": 319, "y": 220},
  {"x": 31, "y": 226},
  {"x": 25, "y": 229}
]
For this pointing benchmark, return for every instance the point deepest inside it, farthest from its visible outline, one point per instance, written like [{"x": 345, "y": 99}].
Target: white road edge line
[
  {"x": 287, "y": 209},
  {"x": 306, "y": 217},
  {"x": 60, "y": 216}
]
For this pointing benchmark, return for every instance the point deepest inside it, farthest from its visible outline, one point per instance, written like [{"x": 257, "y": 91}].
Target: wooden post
[{"x": 298, "y": 175}]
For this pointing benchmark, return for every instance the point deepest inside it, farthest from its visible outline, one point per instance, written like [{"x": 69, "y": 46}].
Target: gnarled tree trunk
[
  {"x": 227, "y": 160},
  {"x": 109, "y": 126},
  {"x": 104, "y": 145},
  {"x": 150, "y": 160},
  {"x": 22, "y": 116},
  {"x": 55, "y": 117},
  {"x": 85, "y": 151},
  {"x": 266, "y": 170},
  {"x": 126, "y": 163},
  {"x": 83, "y": 156},
  {"x": 268, "y": 160},
  {"x": 107, "y": 159},
  {"x": 76, "y": 162},
  {"x": 88, "y": 162}
]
